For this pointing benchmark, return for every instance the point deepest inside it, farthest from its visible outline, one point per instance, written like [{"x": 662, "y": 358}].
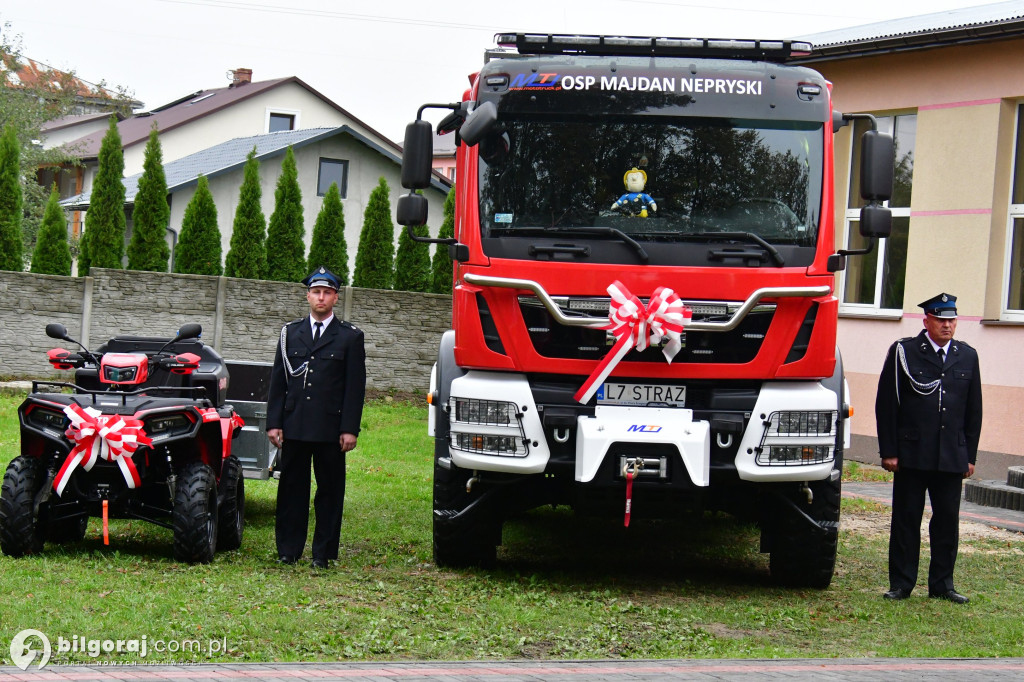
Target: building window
[
  {"x": 867, "y": 286},
  {"x": 1013, "y": 299},
  {"x": 332, "y": 171},
  {"x": 280, "y": 122}
]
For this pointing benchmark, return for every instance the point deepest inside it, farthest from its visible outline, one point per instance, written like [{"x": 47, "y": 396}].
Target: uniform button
[{"x": 308, "y": 398}]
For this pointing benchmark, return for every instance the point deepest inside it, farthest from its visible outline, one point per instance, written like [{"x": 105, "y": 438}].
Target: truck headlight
[
  {"x": 487, "y": 427},
  {"x": 475, "y": 411},
  {"x": 795, "y": 438}
]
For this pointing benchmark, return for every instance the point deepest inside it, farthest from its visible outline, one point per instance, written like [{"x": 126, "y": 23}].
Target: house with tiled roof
[
  {"x": 205, "y": 118},
  {"x": 342, "y": 154},
  {"x": 90, "y": 98},
  {"x": 949, "y": 86}
]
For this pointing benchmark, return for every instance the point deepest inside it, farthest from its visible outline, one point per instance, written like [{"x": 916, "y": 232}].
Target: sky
[{"x": 378, "y": 60}]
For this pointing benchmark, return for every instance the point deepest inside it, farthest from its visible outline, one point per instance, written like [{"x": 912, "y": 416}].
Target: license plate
[{"x": 641, "y": 394}]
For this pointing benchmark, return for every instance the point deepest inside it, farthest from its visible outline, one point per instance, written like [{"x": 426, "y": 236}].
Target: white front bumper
[{"x": 595, "y": 435}]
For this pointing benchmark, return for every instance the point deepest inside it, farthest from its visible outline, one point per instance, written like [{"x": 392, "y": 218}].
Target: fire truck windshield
[{"x": 692, "y": 177}]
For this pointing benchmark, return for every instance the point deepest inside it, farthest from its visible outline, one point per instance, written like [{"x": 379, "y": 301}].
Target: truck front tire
[
  {"x": 802, "y": 555},
  {"x": 464, "y": 533}
]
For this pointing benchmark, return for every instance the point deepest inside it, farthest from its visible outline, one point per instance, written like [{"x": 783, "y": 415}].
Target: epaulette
[
  {"x": 346, "y": 323},
  {"x": 301, "y": 319}
]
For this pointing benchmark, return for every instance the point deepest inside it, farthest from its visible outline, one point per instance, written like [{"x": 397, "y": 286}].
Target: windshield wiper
[
  {"x": 578, "y": 231},
  {"x": 743, "y": 236}
]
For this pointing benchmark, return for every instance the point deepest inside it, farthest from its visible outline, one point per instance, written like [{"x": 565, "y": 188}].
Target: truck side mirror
[
  {"x": 417, "y": 155},
  {"x": 480, "y": 122},
  {"x": 412, "y": 209},
  {"x": 877, "y": 157},
  {"x": 875, "y": 221}
]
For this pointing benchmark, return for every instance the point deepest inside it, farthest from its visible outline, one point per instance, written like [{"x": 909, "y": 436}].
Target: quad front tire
[
  {"x": 21, "y": 532},
  {"x": 195, "y": 514},
  {"x": 231, "y": 505}
]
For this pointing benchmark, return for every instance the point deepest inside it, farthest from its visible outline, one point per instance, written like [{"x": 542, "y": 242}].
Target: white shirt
[
  {"x": 935, "y": 346},
  {"x": 324, "y": 323}
]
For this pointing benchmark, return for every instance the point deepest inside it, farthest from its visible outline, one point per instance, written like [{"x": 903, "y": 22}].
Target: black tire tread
[
  {"x": 20, "y": 534},
  {"x": 801, "y": 557},
  {"x": 470, "y": 540},
  {"x": 195, "y": 502},
  {"x": 231, "y": 505}
]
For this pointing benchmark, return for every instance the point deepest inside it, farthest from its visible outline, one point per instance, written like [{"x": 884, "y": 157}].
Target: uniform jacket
[
  {"x": 913, "y": 427},
  {"x": 327, "y": 400}
]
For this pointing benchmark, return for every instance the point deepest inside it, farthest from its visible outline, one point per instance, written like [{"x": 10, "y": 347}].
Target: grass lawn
[{"x": 565, "y": 587}]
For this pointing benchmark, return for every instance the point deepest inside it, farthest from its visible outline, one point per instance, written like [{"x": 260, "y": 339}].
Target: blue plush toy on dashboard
[{"x": 634, "y": 202}]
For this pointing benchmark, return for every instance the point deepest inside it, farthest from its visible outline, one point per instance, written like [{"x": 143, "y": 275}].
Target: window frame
[
  {"x": 342, "y": 186},
  {"x": 1014, "y": 212},
  {"x": 292, "y": 113},
  {"x": 851, "y": 217}
]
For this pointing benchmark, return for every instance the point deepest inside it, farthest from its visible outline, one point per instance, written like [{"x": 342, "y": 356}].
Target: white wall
[{"x": 242, "y": 119}]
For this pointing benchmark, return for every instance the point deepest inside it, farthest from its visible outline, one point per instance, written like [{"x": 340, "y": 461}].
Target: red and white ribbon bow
[
  {"x": 112, "y": 437},
  {"x": 637, "y": 326}
]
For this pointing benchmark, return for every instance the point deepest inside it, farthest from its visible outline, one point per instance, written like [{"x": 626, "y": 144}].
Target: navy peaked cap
[
  {"x": 322, "y": 277},
  {"x": 943, "y": 305}
]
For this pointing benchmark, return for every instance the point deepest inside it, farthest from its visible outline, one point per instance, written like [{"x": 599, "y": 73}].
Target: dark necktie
[
  {"x": 942, "y": 356},
  {"x": 316, "y": 334}
]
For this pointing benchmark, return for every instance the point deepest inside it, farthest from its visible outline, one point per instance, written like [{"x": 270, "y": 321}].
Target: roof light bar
[{"x": 541, "y": 43}]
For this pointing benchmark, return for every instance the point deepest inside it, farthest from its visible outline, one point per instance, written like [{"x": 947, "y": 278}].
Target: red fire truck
[{"x": 644, "y": 316}]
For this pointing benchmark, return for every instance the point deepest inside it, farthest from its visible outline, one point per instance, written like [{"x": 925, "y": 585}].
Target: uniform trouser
[
  {"x": 292, "y": 517},
  {"x": 908, "y": 490}
]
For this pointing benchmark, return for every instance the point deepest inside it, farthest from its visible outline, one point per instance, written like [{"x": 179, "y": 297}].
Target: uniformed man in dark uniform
[
  {"x": 928, "y": 411},
  {"x": 313, "y": 413}
]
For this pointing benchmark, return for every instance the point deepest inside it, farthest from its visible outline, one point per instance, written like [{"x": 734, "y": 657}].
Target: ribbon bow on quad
[
  {"x": 637, "y": 326},
  {"x": 112, "y": 437}
]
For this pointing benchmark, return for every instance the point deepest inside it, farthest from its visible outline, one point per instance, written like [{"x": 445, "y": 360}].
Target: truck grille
[{"x": 554, "y": 340}]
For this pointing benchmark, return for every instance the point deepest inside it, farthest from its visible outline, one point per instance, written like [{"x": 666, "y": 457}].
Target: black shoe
[
  {"x": 286, "y": 560},
  {"x": 950, "y": 595},
  {"x": 897, "y": 593},
  {"x": 319, "y": 563}
]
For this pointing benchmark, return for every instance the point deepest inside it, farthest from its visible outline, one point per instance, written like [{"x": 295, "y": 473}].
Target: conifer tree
[
  {"x": 198, "y": 251},
  {"x": 10, "y": 202},
  {"x": 441, "y": 267},
  {"x": 102, "y": 243},
  {"x": 147, "y": 249},
  {"x": 329, "y": 248},
  {"x": 286, "y": 259},
  {"x": 412, "y": 262},
  {"x": 247, "y": 255},
  {"x": 375, "y": 257},
  {"x": 52, "y": 255}
]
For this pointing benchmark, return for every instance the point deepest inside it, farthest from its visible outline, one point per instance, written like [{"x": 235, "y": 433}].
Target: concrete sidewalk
[
  {"x": 804, "y": 670},
  {"x": 989, "y": 516}
]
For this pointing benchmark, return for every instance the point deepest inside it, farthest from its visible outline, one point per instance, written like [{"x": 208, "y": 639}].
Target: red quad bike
[{"x": 145, "y": 434}]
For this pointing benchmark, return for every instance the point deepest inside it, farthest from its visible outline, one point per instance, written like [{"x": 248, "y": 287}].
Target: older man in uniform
[
  {"x": 313, "y": 414},
  {"x": 928, "y": 412}
]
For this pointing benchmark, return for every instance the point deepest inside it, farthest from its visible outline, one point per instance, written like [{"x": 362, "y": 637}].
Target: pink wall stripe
[
  {"x": 952, "y": 105},
  {"x": 954, "y": 211}
]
